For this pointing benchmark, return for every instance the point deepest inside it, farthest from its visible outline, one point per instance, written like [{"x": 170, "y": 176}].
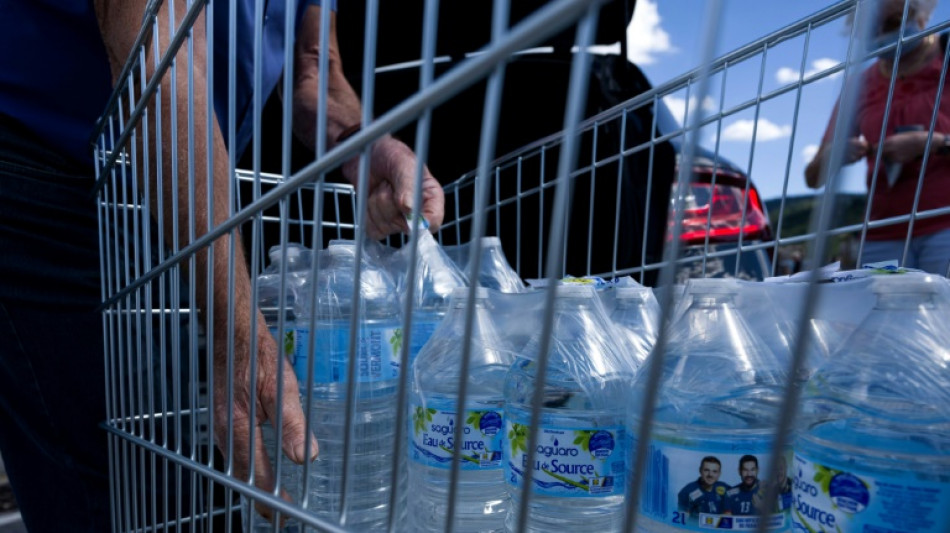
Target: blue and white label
[
  {"x": 830, "y": 499},
  {"x": 576, "y": 462},
  {"x": 377, "y": 354},
  {"x": 720, "y": 486},
  {"x": 432, "y": 437}
]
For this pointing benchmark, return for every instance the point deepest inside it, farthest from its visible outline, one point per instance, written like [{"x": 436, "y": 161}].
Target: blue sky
[{"x": 664, "y": 40}]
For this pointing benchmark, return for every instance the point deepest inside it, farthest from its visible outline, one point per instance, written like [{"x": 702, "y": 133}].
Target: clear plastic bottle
[
  {"x": 714, "y": 424},
  {"x": 435, "y": 279},
  {"x": 269, "y": 302},
  {"x": 579, "y": 469},
  {"x": 482, "y": 501},
  {"x": 495, "y": 272},
  {"x": 872, "y": 451},
  {"x": 635, "y": 315},
  {"x": 378, "y": 347}
]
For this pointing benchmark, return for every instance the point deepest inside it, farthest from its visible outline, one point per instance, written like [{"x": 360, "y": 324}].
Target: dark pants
[{"x": 52, "y": 387}]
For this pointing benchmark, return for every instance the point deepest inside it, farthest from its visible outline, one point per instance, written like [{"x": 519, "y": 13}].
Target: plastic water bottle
[
  {"x": 495, "y": 272},
  {"x": 873, "y": 443},
  {"x": 482, "y": 501},
  {"x": 635, "y": 314},
  {"x": 714, "y": 422},
  {"x": 579, "y": 468},
  {"x": 377, "y": 371},
  {"x": 436, "y": 277},
  {"x": 271, "y": 306}
]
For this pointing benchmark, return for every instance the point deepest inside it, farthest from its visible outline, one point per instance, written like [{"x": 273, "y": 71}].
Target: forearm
[
  {"x": 188, "y": 157},
  {"x": 343, "y": 110}
]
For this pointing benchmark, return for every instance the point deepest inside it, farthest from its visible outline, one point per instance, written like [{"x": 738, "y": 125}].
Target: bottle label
[
  {"x": 576, "y": 462},
  {"x": 827, "y": 498},
  {"x": 377, "y": 353},
  {"x": 715, "y": 487},
  {"x": 432, "y": 437}
]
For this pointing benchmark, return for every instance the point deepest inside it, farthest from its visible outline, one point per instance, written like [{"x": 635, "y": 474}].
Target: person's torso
[
  {"x": 54, "y": 73},
  {"x": 911, "y": 107}
]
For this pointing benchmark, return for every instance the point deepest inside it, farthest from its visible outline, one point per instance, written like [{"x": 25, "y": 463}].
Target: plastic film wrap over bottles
[
  {"x": 579, "y": 472},
  {"x": 482, "y": 502},
  {"x": 718, "y": 402},
  {"x": 494, "y": 272},
  {"x": 435, "y": 278},
  {"x": 635, "y": 313},
  {"x": 873, "y": 437}
]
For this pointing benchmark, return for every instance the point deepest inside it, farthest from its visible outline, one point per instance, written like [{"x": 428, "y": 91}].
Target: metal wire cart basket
[{"x": 623, "y": 191}]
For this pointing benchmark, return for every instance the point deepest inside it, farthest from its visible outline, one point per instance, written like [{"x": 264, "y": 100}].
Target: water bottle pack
[
  {"x": 714, "y": 421},
  {"x": 869, "y": 452}
]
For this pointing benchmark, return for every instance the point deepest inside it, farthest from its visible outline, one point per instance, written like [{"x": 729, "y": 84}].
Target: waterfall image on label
[
  {"x": 580, "y": 461},
  {"x": 481, "y": 502},
  {"x": 378, "y": 343},
  {"x": 871, "y": 452},
  {"x": 714, "y": 425}
]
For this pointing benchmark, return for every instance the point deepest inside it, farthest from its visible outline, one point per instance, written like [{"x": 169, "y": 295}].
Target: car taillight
[{"x": 725, "y": 224}]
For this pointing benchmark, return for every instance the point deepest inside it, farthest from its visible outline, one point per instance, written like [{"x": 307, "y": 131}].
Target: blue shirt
[
  {"x": 694, "y": 500},
  {"x": 55, "y": 77}
]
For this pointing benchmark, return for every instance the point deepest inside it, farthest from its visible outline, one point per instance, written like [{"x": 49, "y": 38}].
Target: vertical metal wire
[
  {"x": 486, "y": 152},
  {"x": 619, "y": 190},
  {"x": 210, "y": 126},
  {"x": 423, "y": 129},
  {"x": 646, "y": 211},
  {"x": 820, "y": 222},
  {"x": 791, "y": 145},
  {"x": 927, "y": 150},
  {"x": 654, "y": 364},
  {"x": 748, "y": 181},
  {"x": 322, "y": 121},
  {"x": 590, "y": 208},
  {"x": 715, "y": 170},
  {"x": 879, "y": 155},
  {"x": 577, "y": 95},
  {"x": 369, "y": 66}
]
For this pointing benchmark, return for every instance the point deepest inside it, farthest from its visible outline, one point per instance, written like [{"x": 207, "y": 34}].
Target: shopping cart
[{"x": 166, "y": 473}]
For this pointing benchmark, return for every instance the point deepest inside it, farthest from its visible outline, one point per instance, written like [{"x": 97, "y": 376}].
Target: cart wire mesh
[{"x": 172, "y": 240}]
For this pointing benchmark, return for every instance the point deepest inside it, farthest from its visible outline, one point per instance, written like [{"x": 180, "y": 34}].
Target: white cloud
[
  {"x": 678, "y": 106},
  {"x": 741, "y": 130},
  {"x": 790, "y": 75},
  {"x": 645, "y": 36},
  {"x": 809, "y": 151}
]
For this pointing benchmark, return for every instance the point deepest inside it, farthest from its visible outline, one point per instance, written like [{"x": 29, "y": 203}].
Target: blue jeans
[
  {"x": 930, "y": 253},
  {"x": 52, "y": 386}
]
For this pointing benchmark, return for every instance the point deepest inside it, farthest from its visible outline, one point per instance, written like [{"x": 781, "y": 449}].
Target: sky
[{"x": 664, "y": 39}]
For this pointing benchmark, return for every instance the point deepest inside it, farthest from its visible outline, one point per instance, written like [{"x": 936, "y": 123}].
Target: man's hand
[
  {"x": 392, "y": 177},
  {"x": 857, "y": 149},
  {"x": 267, "y": 406},
  {"x": 392, "y": 164}
]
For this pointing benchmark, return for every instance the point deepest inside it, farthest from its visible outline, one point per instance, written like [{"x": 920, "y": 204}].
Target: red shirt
[{"x": 913, "y": 101}]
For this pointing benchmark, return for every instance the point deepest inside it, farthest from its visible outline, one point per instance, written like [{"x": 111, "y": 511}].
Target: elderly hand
[{"x": 392, "y": 178}]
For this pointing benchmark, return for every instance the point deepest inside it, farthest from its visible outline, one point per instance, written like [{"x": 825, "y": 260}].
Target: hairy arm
[
  {"x": 119, "y": 22},
  {"x": 392, "y": 163}
]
